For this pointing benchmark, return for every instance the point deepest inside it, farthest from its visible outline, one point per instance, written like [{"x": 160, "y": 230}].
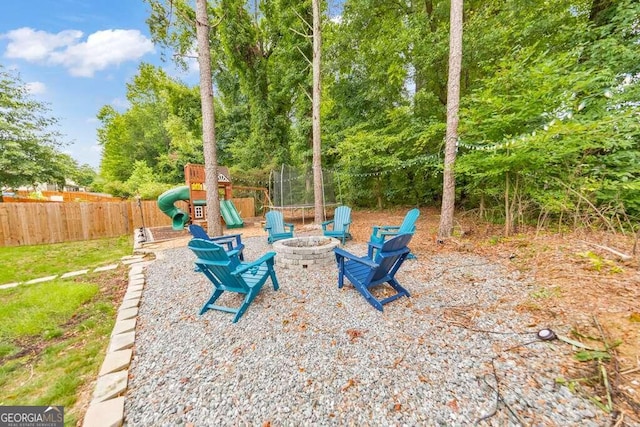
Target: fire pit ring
[{"x": 305, "y": 252}]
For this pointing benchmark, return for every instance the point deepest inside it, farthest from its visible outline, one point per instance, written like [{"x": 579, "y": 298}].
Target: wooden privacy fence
[
  {"x": 61, "y": 196},
  {"x": 41, "y": 223}
]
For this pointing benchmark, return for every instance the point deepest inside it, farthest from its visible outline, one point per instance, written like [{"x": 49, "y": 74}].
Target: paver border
[{"x": 109, "y": 411}]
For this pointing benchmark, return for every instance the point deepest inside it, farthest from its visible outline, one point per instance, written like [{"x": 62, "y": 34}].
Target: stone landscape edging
[{"x": 107, "y": 404}]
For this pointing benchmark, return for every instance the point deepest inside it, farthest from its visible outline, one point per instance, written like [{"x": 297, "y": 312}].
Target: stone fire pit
[{"x": 305, "y": 252}]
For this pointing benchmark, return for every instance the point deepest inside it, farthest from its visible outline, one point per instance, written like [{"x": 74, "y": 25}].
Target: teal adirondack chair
[
  {"x": 339, "y": 224},
  {"x": 373, "y": 270},
  {"x": 233, "y": 242},
  {"x": 229, "y": 274},
  {"x": 276, "y": 227},
  {"x": 380, "y": 233}
]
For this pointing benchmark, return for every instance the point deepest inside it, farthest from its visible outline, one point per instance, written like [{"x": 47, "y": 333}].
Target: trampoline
[{"x": 292, "y": 192}]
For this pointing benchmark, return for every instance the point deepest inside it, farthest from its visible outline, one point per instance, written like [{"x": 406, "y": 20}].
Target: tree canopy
[
  {"x": 548, "y": 107},
  {"x": 30, "y": 142}
]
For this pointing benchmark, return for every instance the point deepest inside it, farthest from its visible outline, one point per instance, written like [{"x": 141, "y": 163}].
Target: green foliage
[
  {"x": 141, "y": 174},
  {"x": 547, "y": 292},
  {"x": 588, "y": 355},
  {"x": 548, "y": 119},
  {"x": 28, "y": 140},
  {"x": 151, "y": 190},
  {"x": 555, "y": 117},
  {"x": 597, "y": 263}
]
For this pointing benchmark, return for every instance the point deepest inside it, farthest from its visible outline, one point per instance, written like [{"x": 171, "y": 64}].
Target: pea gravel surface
[{"x": 458, "y": 352}]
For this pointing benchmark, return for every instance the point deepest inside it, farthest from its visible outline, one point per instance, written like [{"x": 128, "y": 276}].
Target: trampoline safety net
[{"x": 292, "y": 187}]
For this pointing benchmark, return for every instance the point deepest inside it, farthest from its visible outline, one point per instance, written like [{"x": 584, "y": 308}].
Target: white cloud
[
  {"x": 35, "y": 46},
  {"x": 101, "y": 50},
  {"x": 36, "y": 88}
]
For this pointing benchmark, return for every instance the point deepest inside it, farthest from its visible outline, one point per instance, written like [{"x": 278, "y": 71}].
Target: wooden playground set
[{"x": 194, "y": 193}]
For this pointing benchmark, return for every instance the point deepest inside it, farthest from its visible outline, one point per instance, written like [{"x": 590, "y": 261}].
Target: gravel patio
[{"x": 458, "y": 352}]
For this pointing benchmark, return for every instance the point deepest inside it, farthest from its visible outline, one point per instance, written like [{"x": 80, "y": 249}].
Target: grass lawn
[
  {"x": 22, "y": 263},
  {"x": 53, "y": 335},
  {"x": 53, "y": 338}
]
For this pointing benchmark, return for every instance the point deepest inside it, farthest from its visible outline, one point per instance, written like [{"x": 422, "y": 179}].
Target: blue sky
[{"x": 77, "y": 56}]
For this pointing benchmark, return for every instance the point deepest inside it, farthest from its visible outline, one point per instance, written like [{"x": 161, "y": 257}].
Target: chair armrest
[
  {"x": 237, "y": 251},
  {"x": 342, "y": 253},
  {"x": 229, "y": 238},
  {"x": 373, "y": 245},
  {"x": 379, "y": 229},
  {"x": 325, "y": 224},
  {"x": 248, "y": 266},
  {"x": 289, "y": 225}
]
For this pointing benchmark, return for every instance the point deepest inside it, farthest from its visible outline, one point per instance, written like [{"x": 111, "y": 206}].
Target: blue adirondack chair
[
  {"x": 229, "y": 274},
  {"x": 233, "y": 242},
  {"x": 339, "y": 224},
  {"x": 381, "y": 232},
  {"x": 276, "y": 227},
  {"x": 373, "y": 270}
]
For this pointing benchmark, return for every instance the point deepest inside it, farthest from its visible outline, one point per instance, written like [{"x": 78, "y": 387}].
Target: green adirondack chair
[
  {"x": 339, "y": 224},
  {"x": 229, "y": 274},
  {"x": 276, "y": 227},
  {"x": 380, "y": 233},
  {"x": 373, "y": 270}
]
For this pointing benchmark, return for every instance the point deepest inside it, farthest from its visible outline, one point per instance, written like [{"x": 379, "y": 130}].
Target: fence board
[
  {"x": 46, "y": 222},
  {"x": 245, "y": 206}
]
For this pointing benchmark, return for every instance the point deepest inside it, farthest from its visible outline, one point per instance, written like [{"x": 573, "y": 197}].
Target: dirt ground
[{"x": 580, "y": 286}]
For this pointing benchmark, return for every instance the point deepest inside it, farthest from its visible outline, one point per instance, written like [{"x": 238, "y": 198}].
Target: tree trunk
[
  {"x": 317, "y": 146},
  {"x": 453, "y": 105},
  {"x": 208, "y": 120},
  {"x": 507, "y": 209}
]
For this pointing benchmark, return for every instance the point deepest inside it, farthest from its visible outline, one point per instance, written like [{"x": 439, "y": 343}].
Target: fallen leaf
[
  {"x": 354, "y": 333},
  {"x": 350, "y": 382}
]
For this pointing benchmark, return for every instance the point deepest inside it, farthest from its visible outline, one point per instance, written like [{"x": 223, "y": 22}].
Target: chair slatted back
[
  {"x": 198, "y": 232},
  {"x": 217, "y": 266},
  {"x": 275, "y": 221},
  {"x": 341, "y": 218},
  {"x": 391, "y": 252},
  {"x": 409, "y": 223}
]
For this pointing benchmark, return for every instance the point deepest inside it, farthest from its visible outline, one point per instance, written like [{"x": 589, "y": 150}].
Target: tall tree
[
  {"x": 317, "y": 147},
  {"x": 29, "y": 141},
  {"x": 453, "y": 106},
  {"x": 208, "y": 120}
]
